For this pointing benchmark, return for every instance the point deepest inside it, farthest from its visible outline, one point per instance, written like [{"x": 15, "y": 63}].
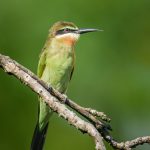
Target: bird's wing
[{"x": 41, "y": 65}]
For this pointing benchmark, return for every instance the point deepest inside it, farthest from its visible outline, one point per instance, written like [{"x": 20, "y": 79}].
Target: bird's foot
[
  {"x": 64, "y": 98},
  {"x": 49, "y": 87}
]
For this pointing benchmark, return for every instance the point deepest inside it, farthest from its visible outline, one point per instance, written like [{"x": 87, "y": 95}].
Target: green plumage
[{"x": 55, "y": 67}]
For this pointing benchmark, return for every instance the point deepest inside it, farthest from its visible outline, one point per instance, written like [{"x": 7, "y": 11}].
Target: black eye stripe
[{"x": 65, "y": 30}]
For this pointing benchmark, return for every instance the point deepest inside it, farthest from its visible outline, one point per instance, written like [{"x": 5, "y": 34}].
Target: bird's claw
[{"x": 64, "y": 98}]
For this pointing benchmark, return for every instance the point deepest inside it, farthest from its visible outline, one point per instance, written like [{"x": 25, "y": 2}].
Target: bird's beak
[{"x": 82, "y": 31}]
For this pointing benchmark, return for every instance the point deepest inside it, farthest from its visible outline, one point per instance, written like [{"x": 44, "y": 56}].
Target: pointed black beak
[{"x": 82, "y": 31}]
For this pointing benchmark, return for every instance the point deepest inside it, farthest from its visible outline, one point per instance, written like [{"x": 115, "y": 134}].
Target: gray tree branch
[
  {"x": 12, "y": 67},
  {"x": 95, "y": 128}
]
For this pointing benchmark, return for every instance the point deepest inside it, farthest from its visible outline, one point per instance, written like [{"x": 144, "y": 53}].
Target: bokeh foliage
[{"x": 112, "y": 72}]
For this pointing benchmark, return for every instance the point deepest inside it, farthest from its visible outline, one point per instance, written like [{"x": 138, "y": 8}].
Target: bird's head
[{"x": 67, "y": 32}]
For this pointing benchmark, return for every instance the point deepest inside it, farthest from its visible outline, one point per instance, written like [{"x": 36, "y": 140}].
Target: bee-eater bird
[{"x": 56, "y": 65}]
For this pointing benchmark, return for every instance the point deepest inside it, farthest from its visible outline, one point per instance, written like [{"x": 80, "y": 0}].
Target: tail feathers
[{"x": 38, "y": 138}]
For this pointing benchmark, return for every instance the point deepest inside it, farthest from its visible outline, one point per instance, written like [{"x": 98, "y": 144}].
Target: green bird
[{"x": 56, "y": 65}]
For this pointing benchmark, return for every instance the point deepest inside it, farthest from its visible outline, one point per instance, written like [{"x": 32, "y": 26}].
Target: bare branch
[
  {"x": 88, "y": 113},
  {"x": 11, "y": 67},
  {"x": 95, "y": 128},
  {"x": 127, "y": 145}
]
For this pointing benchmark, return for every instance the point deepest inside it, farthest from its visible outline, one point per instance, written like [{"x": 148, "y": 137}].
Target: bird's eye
[{"x": 63, "y": 31}]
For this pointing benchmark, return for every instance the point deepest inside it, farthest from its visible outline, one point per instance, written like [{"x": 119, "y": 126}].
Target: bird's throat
[{"x": 68, "y": 39}]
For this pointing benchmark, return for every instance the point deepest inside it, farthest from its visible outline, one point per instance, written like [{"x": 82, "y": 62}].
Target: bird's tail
[{"x": 38, "y": 138}]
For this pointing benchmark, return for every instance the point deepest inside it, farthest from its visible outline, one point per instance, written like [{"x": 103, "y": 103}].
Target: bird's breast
[{"x": 60, "y": 68}]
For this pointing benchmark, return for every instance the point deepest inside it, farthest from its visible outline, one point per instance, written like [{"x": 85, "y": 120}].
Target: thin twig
[{"x": 127, "y": 145}]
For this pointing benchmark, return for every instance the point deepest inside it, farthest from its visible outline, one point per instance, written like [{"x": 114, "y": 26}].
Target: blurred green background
[{"x": 112, "y": 72}]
